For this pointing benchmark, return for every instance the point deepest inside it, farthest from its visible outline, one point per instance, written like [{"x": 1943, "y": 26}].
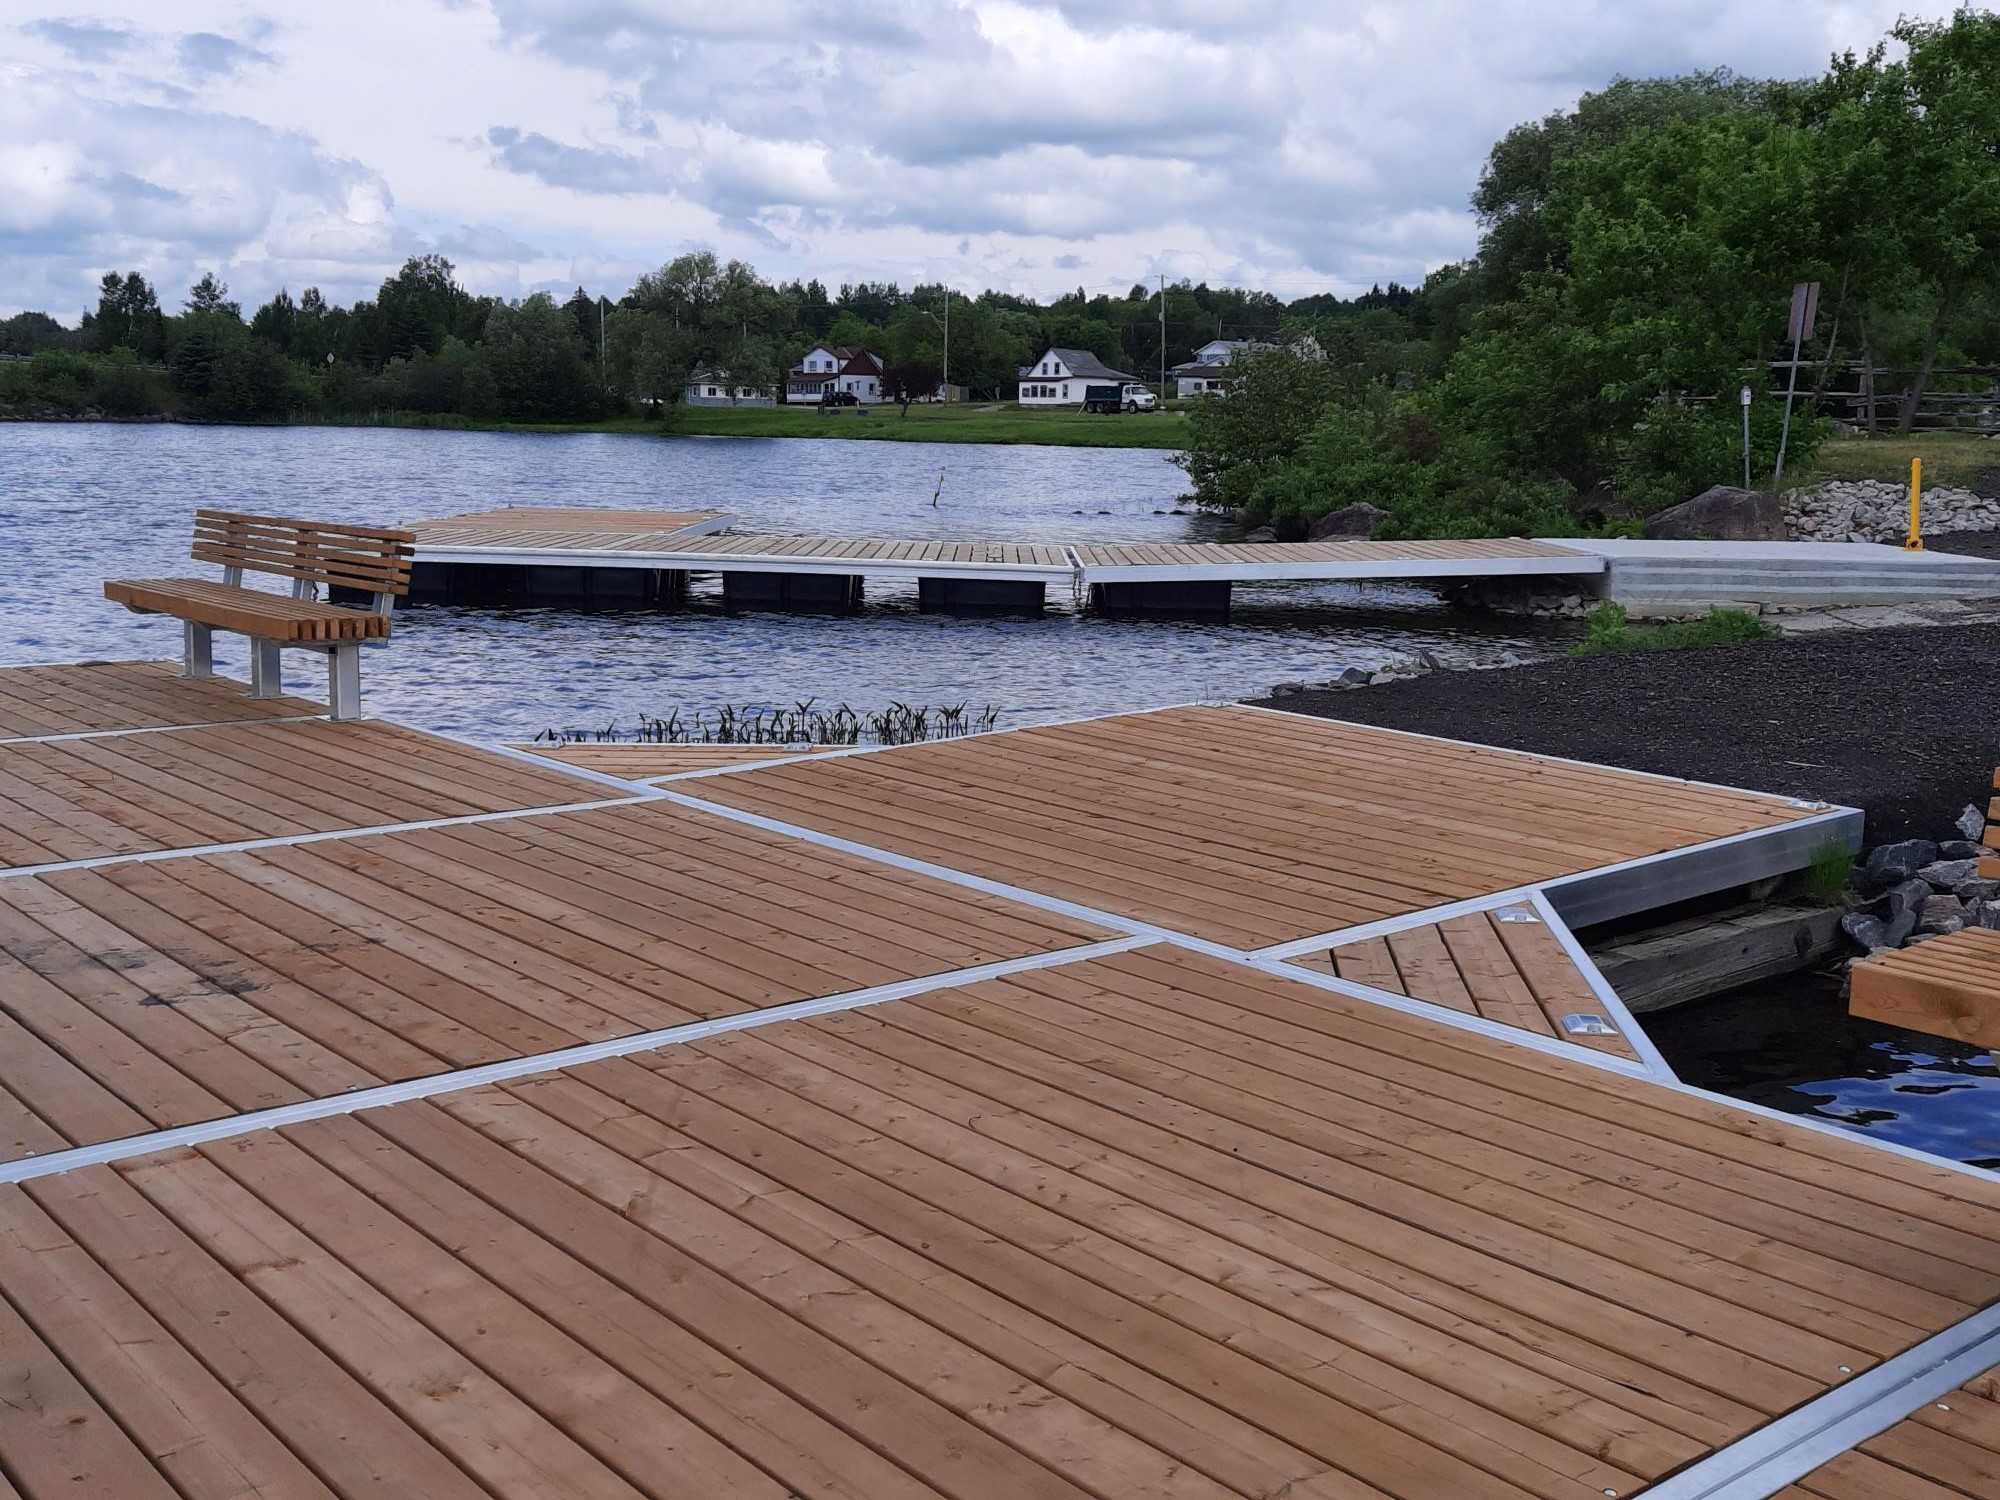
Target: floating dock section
[
  {"x": 588, "y": 559},
  {"x": 384, "y": 1115}
]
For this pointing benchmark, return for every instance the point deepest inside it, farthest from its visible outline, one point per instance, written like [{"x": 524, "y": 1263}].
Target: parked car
[{"x": 839, "y": 398}]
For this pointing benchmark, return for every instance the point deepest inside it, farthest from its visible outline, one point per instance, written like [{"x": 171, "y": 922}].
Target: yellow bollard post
[{"x": 1916, "y": 540}]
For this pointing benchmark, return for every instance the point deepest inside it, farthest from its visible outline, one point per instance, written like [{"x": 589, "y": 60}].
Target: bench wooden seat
[
  {"x": 363, "y": 571},
  {"x": 222, "y": 606},
  {"x": 1949, "y": 987}
]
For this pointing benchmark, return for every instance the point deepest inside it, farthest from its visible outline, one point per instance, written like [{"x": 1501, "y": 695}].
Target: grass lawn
[
  {"x": 1950, "y": 458},
  {"x": 969, "y": 422}
]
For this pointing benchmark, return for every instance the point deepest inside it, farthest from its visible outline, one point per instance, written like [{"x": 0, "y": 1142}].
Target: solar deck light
[{"x": 1588, "y": 1025}]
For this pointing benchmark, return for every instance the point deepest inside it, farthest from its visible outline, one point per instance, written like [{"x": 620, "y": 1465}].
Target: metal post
[
  {"x": 266, "y": 675},
  {"x": 1743, "y": 396},
  {"x": 343, "y": 681},
  {"x": 1915, "y": 542},
  {"x": 197, "y": 650}
]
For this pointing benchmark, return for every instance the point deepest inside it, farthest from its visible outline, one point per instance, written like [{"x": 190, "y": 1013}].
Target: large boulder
[
  {"x": 1356, "y": 520},
  {"x": 1723, "y": 514}
]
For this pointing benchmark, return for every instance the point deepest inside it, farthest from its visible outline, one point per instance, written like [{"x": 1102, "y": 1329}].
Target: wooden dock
[
  {"x": 585, "y": 558},
  {"x": 939, "y": 1121}
]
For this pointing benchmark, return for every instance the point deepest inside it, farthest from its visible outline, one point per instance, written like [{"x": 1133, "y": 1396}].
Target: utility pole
[
  {"x": 1163, "y": 335},
  {"x": 947, "y": 340}
]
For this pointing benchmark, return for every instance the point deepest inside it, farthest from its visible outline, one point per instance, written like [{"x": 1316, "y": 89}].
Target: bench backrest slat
[{"x": 351, "y": 557}]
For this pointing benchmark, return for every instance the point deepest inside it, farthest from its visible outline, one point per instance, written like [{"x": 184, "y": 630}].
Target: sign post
[
  {"x": 1744, "y": 397},
  {"x": 1805, "y": 306}
]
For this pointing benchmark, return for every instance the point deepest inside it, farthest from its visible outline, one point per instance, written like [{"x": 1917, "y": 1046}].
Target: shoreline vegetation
[{"x": 969, "y": 422}]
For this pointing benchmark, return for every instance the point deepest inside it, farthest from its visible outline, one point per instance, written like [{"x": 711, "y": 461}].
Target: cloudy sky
[{"x": 1034, "y": 145}]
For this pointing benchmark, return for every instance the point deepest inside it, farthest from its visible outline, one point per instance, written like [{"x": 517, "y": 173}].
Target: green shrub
[{"x": 1609, "y": 632}]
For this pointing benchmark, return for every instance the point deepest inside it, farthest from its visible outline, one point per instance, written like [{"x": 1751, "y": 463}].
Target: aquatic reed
[{"x": 804, "y": 723}]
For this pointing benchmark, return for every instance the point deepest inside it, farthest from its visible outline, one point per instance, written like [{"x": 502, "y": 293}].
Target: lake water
[
  {"x": 82, "y": 501},
  {"x": 1791, "y": 1045}
]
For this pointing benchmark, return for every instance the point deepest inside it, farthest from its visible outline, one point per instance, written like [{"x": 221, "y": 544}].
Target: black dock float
[
  {"x": 980, "y": 596},
  {"x": 541, "y": 586},
  {"x": 1166, "y": 600},
  {"x": 795, "y": 593}
]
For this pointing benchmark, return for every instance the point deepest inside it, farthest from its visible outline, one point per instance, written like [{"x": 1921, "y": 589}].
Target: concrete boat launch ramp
[{"x": 634, "y": 559}]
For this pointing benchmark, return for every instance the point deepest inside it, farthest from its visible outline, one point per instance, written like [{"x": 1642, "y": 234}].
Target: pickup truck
[{"x": 1111, "y": 399}]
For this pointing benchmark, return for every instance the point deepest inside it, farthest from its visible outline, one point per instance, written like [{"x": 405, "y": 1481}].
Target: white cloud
[{"x": 1029, "y": 144}]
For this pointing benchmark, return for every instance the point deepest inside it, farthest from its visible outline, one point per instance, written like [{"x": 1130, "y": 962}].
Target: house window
[{"x": 712, "y": 391}]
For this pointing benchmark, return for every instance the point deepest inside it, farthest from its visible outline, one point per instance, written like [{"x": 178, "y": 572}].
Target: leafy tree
[
  {"x": 32, "y": 332},
  {"x": 210, "y": 296},
  {"x": 1521, "y": 173},
  {"x": 277, "y": 322},
  {"x": 421, "y": 305},
  {"x": 584, "y": 312},
  {"x": 251, "y": 381},
  {"x": 911, "y": 380},
  {"x": 198, "y": 349},
  {"x": 538, "y": 365},
  {"x": 128, "y": 316},
  {"x": 1236, "y": 440}
]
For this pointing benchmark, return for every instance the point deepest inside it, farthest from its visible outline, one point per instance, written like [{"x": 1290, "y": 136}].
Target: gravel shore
[{"x": 1903, "y": 724}]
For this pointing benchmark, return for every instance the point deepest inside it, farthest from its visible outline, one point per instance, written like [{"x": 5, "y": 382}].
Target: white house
[
  {"x": 861, "y": 377},
  {"x": 809, "y": 380},
  {"x": 1060, "y": 377},
  {"x": 1208, "y": 373},
  {"x": 830, "y": 368},
  {"x": 708, "y": 386}
]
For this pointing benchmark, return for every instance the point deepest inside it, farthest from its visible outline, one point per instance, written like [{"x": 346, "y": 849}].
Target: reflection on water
[
  {"x": 80, "y": 501},
  {"x": 1791, "y": 1045}
]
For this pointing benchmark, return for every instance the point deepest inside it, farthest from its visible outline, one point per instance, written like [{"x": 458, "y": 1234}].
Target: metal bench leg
[
  {"x": 267, "y": 678},
  {"x": 343, "y": 676},
  {"x": 197, "y": 650}
]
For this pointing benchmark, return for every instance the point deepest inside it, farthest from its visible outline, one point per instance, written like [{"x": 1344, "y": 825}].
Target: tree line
[
  {"x": 426, "y": 346},
  {"x": 1634, "y": 272}
]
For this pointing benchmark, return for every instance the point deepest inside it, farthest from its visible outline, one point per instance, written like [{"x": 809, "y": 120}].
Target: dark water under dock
[{"x": 1790, "y": 1044}]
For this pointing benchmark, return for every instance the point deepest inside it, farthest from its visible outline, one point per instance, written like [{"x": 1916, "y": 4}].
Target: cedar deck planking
[
  {"x": 1243, "y": 827},
  {"x": 193, "y": 988},
  {"x": 1950, "y": 1450},
  {"x": 1013, "y": 1240},
  {"x": 97, "y": 697},
  {"x": 1515, "y": 973},
  {"x": 181, "y": 788},
  {"x": 1153, "y": 1224}
]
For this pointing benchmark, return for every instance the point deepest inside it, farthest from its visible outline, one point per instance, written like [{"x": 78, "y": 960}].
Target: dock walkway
[
  {"x": 941, "y": 1121},
  {"x": 585, "y": 558}
]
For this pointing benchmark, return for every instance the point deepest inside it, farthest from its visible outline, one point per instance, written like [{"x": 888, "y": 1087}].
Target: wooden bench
[
  {"x": 362, "y": 570},
  {"x": 1949, "y": 986}
]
